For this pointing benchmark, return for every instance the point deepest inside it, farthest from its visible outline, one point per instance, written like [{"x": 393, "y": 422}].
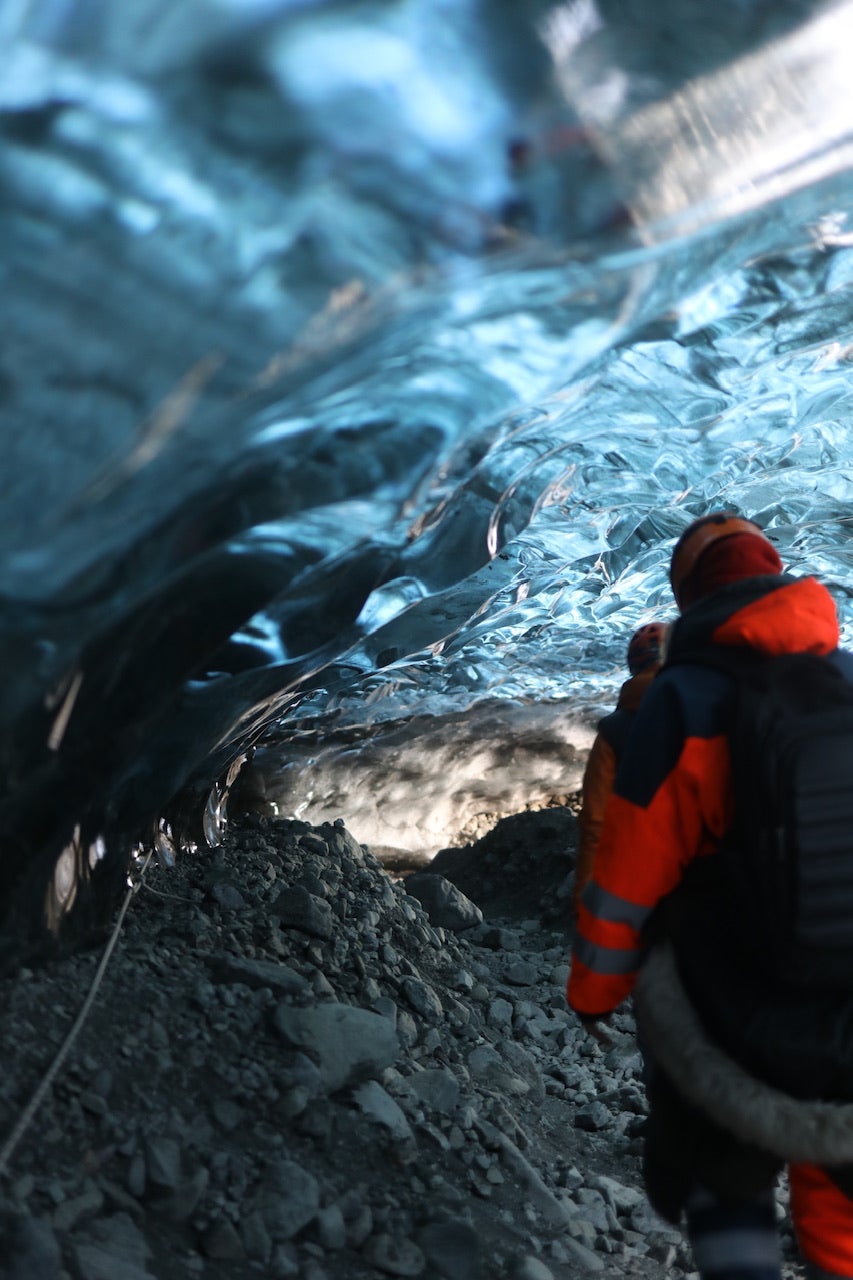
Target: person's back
[
  {"x": 713, "y": 1029},
  {"x": 644, "y": 658}
]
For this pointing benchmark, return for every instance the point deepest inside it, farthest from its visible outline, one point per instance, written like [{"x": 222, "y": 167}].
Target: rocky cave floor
[{"x": 301, "y": 1064}]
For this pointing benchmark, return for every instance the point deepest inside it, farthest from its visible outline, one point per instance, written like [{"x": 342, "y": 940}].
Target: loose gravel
[{"x": 301, "y": 1065}]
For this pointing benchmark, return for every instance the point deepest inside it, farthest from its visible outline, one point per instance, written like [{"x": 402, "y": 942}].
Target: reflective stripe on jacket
[
  {"x": 823, "y": 1218},
  {"x": 600, "y": 772}
]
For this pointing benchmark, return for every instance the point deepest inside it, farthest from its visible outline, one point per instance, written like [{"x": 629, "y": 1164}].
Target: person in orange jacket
[
  {"x": 645, "y": 655},
  {"x": 757, "y": 1075}
]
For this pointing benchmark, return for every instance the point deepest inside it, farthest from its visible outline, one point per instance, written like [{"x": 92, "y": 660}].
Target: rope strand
[{"x": 29, "y": 1112}]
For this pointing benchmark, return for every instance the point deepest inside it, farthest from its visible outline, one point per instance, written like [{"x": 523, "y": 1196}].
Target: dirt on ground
[{"x": 293, "y": 1067}]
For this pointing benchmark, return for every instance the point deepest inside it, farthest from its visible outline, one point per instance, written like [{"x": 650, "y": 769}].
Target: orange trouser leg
[{"x": 823, "y": 1219}]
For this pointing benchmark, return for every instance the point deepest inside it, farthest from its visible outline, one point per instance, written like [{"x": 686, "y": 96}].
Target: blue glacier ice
[{"x": 362, "y": 362}]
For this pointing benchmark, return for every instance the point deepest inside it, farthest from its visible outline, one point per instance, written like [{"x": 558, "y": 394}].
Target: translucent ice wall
[{"x": 363, "y": 358}]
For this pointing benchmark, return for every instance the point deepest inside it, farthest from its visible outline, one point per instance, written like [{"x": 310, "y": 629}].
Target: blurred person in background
[{"x": 645, "y": 656}]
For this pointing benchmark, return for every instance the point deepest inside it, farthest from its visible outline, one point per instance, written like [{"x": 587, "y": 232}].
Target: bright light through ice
[
  {"x": 699, "y": 156},
  {"x": 386, "y": 602},
  {"x": 322, "y": 65},
  {"x": 567, "y": 26}
]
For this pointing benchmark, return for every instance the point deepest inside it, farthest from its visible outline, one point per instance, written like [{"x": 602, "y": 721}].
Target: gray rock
[
  {"x": 584, "y": 1257},
  {"x": 331, "y": 1228},
  {"x": 313, "y": 1269},
  {"x": 436, "y": 1087},
  {"x": 321, "y": 986},
  {"x": 349, "y": 1044},
  {"x": 489, "y": 1066},
  {"x": 584, "y": 1230},
  {"x": 499, "y": 1013},
  {"x": 521, "y": 973},
  {"x": 358, "y": 1219},
  {"x": 524, "y": 1066},
  {"x": 136, "y": 1175},
  {"x": 257, "y": 1241},
  {"x": 622, "y": 1198},
  {"x": 162, "y": 1162},
  {"x": 498, "y": 939},
  {"x": 22, "y": 1187},
  {"x": 70, "y": 1212},
  {"x": 114, "y": 1247},
  {"x": 646, "y": 1221},
  {"x": 452, "y": 1249},
  {"x": 33, "y": 1252},
  {"x": 595, "y": 1208},
  {"x": 119, "y": 1200},
  {"x": 183, "y": 1200},
  {"x": 407, "y": 1029},
  {"x": 93, "y": 1102},
  {"x": 94, "y": 1262},
  {"x": 312, "y": 883},
  {"x": 227, "y": 896},
  {"x": 387, "y": 1008},
  {"x": 284, "y": 1263},
  {"x": 259, "y": 973},
  {"x": 394, "y": 1256},
  {"x": 531, "y": 1268},
  {"x": 555, "y": 1211},
  {"x": 378, "y": 1105},
  {"x": 305, "y": 1073},
  {"x": 314, "y": 843},
  {"x": 299, "y": 909},
  {"x": 446, "y": 906},
  {"x": 222, "y": 1241},
  {"x": 287, "y": 1199},
  {"x": 592, "y": 1117},
  {"x": 344, "y": 845},
  {"x": 227, "y": 1114},
  {"x": 422, "y": 998},
  {"x": 158, "y": 1035}
]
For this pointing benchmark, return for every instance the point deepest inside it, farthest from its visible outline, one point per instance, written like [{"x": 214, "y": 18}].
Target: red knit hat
[
  {"x": 716, "y": 550},
  {"x": 646, "y": 647}
]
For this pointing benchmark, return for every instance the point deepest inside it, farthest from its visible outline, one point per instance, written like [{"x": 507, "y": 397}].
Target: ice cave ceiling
[{"x": 361, "y": 358}]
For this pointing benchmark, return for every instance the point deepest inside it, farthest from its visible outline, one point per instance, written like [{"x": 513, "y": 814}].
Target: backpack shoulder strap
[
  {"x": 741, "y": 661},
  {"x": 732, "y": 661}
]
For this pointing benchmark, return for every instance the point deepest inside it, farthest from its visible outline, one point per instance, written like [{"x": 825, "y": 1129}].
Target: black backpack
[{"x": 787, "y": 860}]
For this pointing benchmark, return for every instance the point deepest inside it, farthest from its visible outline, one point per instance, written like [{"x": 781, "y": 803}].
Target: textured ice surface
[{"x": 365, "y": 360}]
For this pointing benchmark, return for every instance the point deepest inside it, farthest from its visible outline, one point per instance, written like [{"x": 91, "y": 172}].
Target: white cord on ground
[{"x": 28, "y": 1114}]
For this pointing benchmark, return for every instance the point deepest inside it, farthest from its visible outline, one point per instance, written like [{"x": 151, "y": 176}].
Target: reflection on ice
[
  {"x": 412, "y": 786},
  {"x": 690, "y": 160}
]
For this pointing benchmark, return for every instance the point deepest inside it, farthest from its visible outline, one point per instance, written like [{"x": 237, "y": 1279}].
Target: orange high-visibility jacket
[
  {"x": 600, "y": 771},
  {"x": 672, "y": 799}
]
